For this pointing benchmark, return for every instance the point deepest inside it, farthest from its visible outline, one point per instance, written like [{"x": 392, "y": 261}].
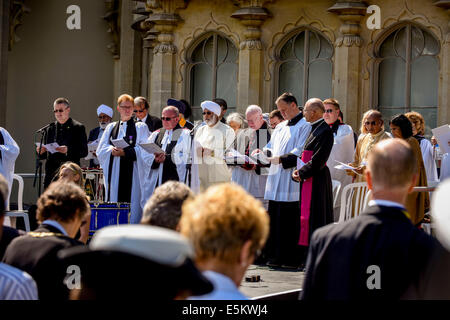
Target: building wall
[{"x": 51, "y": 61}]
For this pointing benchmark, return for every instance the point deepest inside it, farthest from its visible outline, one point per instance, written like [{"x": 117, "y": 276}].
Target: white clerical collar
[
  {"x": 316, "y": 121},
  {"x": 56, "y": 225},
  {"x": 386, "y": 203}
]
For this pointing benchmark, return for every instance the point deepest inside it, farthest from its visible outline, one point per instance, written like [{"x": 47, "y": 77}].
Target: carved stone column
[
  {"x": 165, "y": 20},
  {"x": 140, "y": 25},
  {"x": 252, "y": 15},
  {"x": 347, "y": 61},
  {"x": 444, "y": 111}
]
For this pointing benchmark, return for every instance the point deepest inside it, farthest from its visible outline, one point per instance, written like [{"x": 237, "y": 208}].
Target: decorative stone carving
[
  {"x": 445, "y": 4},
  {"x": 350, "y": 13},
  {"x": 112, "y": 18},
  {"x": 18, "y": 10},
  {"x": 252, "y": 15}
]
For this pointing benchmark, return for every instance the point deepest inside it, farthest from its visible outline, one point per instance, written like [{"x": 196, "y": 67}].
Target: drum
[{"x": 107, "y": 214}]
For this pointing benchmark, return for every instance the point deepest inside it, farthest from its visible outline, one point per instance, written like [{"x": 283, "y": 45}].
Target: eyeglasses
[
  {"x": 207, "y": 112},
  {"x": 329, "y": 111},
  {"x": 167, "y": 118},
  {"x": 59, "y": 110},
  {"x": 372, "y": 123},
  {"x": 139, "y": 111}
]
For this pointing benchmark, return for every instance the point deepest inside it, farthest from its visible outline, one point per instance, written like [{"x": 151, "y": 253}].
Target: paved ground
[{"x": 272, "y": 281}]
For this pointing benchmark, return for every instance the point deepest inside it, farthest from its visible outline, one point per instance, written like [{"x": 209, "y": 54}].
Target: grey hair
[
  {"x": 172, "y": 108},
  {"x": 253, "y": 109},
  {"x": 236, "y": 117}
]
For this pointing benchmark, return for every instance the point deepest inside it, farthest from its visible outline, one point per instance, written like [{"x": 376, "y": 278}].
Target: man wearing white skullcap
[
  {"x": 210, "y": 143},
  {"x": 104, "y": 114}
]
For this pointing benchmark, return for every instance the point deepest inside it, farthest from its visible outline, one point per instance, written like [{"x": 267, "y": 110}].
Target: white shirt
[{"x": 16, "y": 284}]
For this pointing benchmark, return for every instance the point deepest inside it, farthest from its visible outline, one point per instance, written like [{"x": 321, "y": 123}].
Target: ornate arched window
[
  {"x": 304, "y": 66},
  {"x": 213, "y": 69},
  {"x": 408, "y": 73}
]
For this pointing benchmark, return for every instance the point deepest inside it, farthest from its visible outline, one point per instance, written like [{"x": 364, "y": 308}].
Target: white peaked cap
[
  {"x": 105, "y": 109},
  {"x": 211, "y": 106}
]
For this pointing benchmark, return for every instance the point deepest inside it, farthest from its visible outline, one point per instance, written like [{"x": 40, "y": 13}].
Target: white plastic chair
[
  {"x": 336, "y": 189},
  {"x": 354, "y": 199},
  {"x": 19, "y": 212}
]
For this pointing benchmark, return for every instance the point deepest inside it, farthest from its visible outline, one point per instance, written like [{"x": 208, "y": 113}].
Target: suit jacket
[
  {"x": 36, "y": 253},
  {"x": 93, "y": 134},
  {"x": 340, "y": 257},
  {"x": 153, "y": 123},
  {"x": 71, "y": 134}
]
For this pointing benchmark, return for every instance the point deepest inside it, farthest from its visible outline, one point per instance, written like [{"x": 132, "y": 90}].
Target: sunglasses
[
  {"x": 329, "y": 111},
  {"x": 207, "y": 112},
  {"x": 139, "y": 111},
  {"x": 59, "y": 110},
  {"x": 167, "y": 118},
  {"x": 372, "y": 123}
]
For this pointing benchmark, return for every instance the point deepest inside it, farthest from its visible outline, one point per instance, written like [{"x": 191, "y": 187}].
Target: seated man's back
[{"x": 341, "y": 257}]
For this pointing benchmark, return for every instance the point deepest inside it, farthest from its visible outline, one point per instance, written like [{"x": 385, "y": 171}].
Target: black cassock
[{"x": 318, "y": 193}]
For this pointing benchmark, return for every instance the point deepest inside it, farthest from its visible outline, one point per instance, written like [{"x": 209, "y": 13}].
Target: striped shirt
[{"x": 16, "y": 284}]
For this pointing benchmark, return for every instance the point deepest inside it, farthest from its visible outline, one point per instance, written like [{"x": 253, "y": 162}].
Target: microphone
[{"x": 44, "y": 127}]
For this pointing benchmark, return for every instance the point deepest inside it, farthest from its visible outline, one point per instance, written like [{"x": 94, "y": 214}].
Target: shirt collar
[
  {"x": 56, "y": 224},
  {"x": 317, "y": 121},
  {"x": 386, "y": 203}
]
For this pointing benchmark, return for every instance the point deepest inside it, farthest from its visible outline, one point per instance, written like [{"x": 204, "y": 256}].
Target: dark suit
[
  {"x": 153, "y": 123},
  {"x": 71, "y": 134},
  {"x": 36, "y": 253},
  {"x": 340, "y": 255}
]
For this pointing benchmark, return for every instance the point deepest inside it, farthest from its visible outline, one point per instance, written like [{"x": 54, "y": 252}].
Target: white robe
[
  {"x": 212, "y": 169},
  {"x": 342, "y": 151},
  {"x": 445, "y": 167},
  {"x": 429, "y": 160},
  {"x": 285, "y": 139},
  {"x": 180, "y": 156},
  {"x": 141, "y": 168},
  {"x": 10, "y": 150}
]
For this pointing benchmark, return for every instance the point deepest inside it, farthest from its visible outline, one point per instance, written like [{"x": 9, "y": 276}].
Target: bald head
[
  {"x": 313, "y": 109},
  {"x": 392, "y": 164}
]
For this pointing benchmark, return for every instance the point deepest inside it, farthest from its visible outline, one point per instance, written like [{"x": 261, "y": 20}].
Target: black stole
[
  {"x": 335, "y": 126},
  {"x": 126, "y": 164},
  {"x": 169, "y": 171}
]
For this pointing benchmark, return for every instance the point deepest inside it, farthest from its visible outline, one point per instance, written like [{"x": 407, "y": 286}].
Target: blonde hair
[
  {"x": 125, "y": 97},
  {"x": 221, "y": 220},
  {"x": 417, "y": 121},
  {"x": 72, "y": 166}
]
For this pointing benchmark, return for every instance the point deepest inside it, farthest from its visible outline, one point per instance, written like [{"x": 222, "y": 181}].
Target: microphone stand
[
  {"x": 188, "y": 177},
  {"x": 38, "y": 169}
]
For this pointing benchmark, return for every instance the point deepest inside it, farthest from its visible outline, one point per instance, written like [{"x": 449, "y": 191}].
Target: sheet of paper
[
  {"x": 261, "y": 157},
  {"x": 233, "y": 156},
  {"x": 92, "y": 147},
  {"x": 300, "y": 163},
  {"x": 442, "y": 135},
  {"x": 120, "y": 143},
  {"x": 151, "y": 147},
  {"x": 51, "y": 147}
]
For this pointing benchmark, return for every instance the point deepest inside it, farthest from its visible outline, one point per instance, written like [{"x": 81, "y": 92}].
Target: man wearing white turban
[
  {"x": 210, "y": 143},
  {"x": 104, "y": 114}
]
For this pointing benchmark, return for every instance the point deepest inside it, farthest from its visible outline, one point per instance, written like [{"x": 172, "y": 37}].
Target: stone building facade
[{"x": 245, "y": 51}]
